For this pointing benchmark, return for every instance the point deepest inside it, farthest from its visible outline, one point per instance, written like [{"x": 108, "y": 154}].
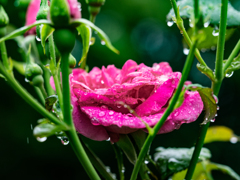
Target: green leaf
[
  {"x": 210, "y": 12},
  {"x": 46, "y": 31},
  {"x": 50, "y": 101},
  {"x": 206, "y": 38},
  {"x": 100, "y": 33},
  {"x": 86, "y": 32},
  {"x": 2, "y": 76},
  {"x": 172, "y": 160},
  {"x": 139, "y": 137},
  {"x": 126, "y": 145},
  {"x": 203, "y": 171},
  {"x": 235, "y": 65},
  {"x": 207, "y": 71},
  {"x": 46, "y": 129},
  {"x": 219, "y": 133},
  {"x": 23, "y": 29},
  {"x": 209, "y": 102}
]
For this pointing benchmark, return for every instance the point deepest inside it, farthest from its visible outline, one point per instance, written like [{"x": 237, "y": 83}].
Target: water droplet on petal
[
  {"x": 95, "y": 121},
  {"x": 101, "y": 114},
  {"x": 119, "y": 106},
  {"x": 41, "y": 139},
  {"x": 170, "y": 23},
  {"x": 103, "y": 42},
  {"x": 104, "y": 107},
  {"x": 218, "y": 107},
  {"x": 228, "y": 75},
  {"x": 234, "y": 140},
  {"x": 102, "y": 82},
  {"x": 108, "y": 139},
  {"x": 64, "y": 140},
  {"x": 125, "y": 106},
  {"x": 185, "y": 51},
  {"x": 111, "y": 113}
]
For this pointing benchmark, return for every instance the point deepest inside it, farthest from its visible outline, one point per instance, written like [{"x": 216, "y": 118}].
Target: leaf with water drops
[
  {"x": 210, "y": 12},
  {"x": 203, "y": 171},
  {"x": 46, "y": 31},
  {"x": 210, "y": 104},
  {"x": 220, "y": 133},
  {"x": 126, "y": 145},
  {"x": 208, "y": 37},
  {"x": 206, "y": 70},
  {"x": 104, "y": 38},
  {"x": 49, "y": 102},
  {"x": 86, "y": 33},
  {"x": 46, "y": 130},
  {"x": 172, "y": 160},
  {"x": 24, "y": 29},
  {"x": 235, "y": 65}
]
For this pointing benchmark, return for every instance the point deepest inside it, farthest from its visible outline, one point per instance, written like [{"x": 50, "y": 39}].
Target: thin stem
[
  {"x": 196, "y": 16},
  {"x": 215, "y": 86},
  {"x": 4, "y": 55},
  {"x": 39, "y": 95},
  {"x": 29, "y": 99},
  {"x": 147, "y": 143},
  {"x": 119, "y": 158},
  {"x": 43, "y": 91},
  {"x": 92, "y": 18},
  {"x": 66, "y": 90},
  {"x": 183, "y": 31},
  {"x": 231, "y": 57},
  {"x": 46, "y": 75},
  {"x": 81, "y": 154},
  {"x": 54, "y": 70}
]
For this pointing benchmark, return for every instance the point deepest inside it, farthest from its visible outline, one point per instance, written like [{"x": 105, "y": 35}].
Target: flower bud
[
  {"x": 37, "y": 81},
  {"x": 59, "y": 13},
  {"x": 72, "y": 61},
  {"x": 94, "y": 6},
  {"x": 42, "y": 14},
  {"x": 3, "y": 17},
  {"x": 32, "y": 70}
]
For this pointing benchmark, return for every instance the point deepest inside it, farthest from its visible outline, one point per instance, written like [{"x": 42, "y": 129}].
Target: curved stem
[
  {"x": 43, "y": 91},
  {"x": 46, "y": 75},
  {"x": 147, "y": 143},
  {"x": 4, "y": 55},
  {"x": 215, "y": 86},
  {"x": 39, "y": 95},
  {"x": 29, "y": 99}
]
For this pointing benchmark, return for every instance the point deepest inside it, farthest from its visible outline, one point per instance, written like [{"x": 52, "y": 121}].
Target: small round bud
[
  {"x": 3, "y": 17},
  {"x": 71, "y": 61},
  {"x": 32, "y": 70},
  {"x": 37, "y": 80},
  {"x": 64, "y": 40},
  {"x": 95, "y": 2}
]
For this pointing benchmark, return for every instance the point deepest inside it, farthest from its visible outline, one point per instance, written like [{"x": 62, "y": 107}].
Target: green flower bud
[
  {"x": 32, "y": 70},
  {"x": 64, "y": 40},
  {"x": 94, "y": 7},
  {"x": 72, "y": 61},
  {"x": 43, "y": 10},
  {"x": 37, "y": 81},
  {"x": 95, "y": 2},
  {"x": 3, "y": 17},
  {"x": 60, "y": 13}
]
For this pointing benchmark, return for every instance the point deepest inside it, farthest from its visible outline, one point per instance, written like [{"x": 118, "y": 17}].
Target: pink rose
[
  {"x": 34, "y": 6},
  {"x": 95, "y": 96}
]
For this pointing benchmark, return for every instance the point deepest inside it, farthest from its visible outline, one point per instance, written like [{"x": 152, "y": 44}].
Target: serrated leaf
[
  {"x": 172, "y": 160},
  {"x": 45, "y": 130},
  {"x": 100, "y": 33},
  {"x": 24, "y": 29},
  {"x": 209, "y": 102},
  {"x": 210, "y": 12},
  {"x": 46, "y": 31},
  {"x": 203, "y": 171},
  {"x": 86, "y": 33},
  {"x": 206, "y": 38},
  {"x": 50, "y": 101},
  {"x": 126, "y": 145},
  {"x": 219, "y": 133}
]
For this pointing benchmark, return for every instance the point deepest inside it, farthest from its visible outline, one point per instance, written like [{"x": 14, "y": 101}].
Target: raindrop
[
  {"x": 101, "y": 114},
  {"x": 103, "y": 107},
  {"x": 206, "y": 24},
  {"x": 216, "y": 115},
  {"x": 218, "y": 108},
  {"x": 123, "y": 169},
  {"x": 95, "y": 121},
  {"x": 64, "y": 140},
  {"x": 234, "y": 140},
  {"x": 125, "y": 106},
  {"x": 111, "y": 113},
  {"x": 129, "y": 115},
  {"x": 215, "y": 32},
  {"x": 108, "y": 139},
  {"x": 119, "y": 106},
  {"x": 146, "y": 161},
  {"x": 185, "y": 51},
  {"x": 103, "y": 42},
  {"x": 212, "y": 120},
  {"x": 170, "y": 23},
  {"x": 37, "y": 38},
  {"x": 26, "y": 80},
  {"x": 41, "y": 139},
  {"x": 102, "y": 82},
  {"x": 228, "y": 75},
  {"x": 108, "y": 169},
  {"x": 59, "y": 134}
]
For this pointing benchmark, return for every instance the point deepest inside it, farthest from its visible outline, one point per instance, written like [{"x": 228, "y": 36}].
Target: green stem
[
  {"x": 196, "y": 16},
  {"x": 144, "y": 172},
  {"x": 147, "y": 143},
  {"x": 39, "y": 95},
  {"x": 81, "y": 154},
  {"x": 92, "y": 18},
  {"x": 4, "y": 55},
  {"x": 54, "y": 70},
  {"x": 29, "y": 99},
  {"x": 119, "y": 158},
  {"x": 46, "y": 75},
  {"x": 43, "y": 91},
  {"x": 215, "y": 86},
  {"x": 231, "y": 57}
]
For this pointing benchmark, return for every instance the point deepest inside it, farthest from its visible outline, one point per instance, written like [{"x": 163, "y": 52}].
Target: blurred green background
[{"x": 137, "y": 28}]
